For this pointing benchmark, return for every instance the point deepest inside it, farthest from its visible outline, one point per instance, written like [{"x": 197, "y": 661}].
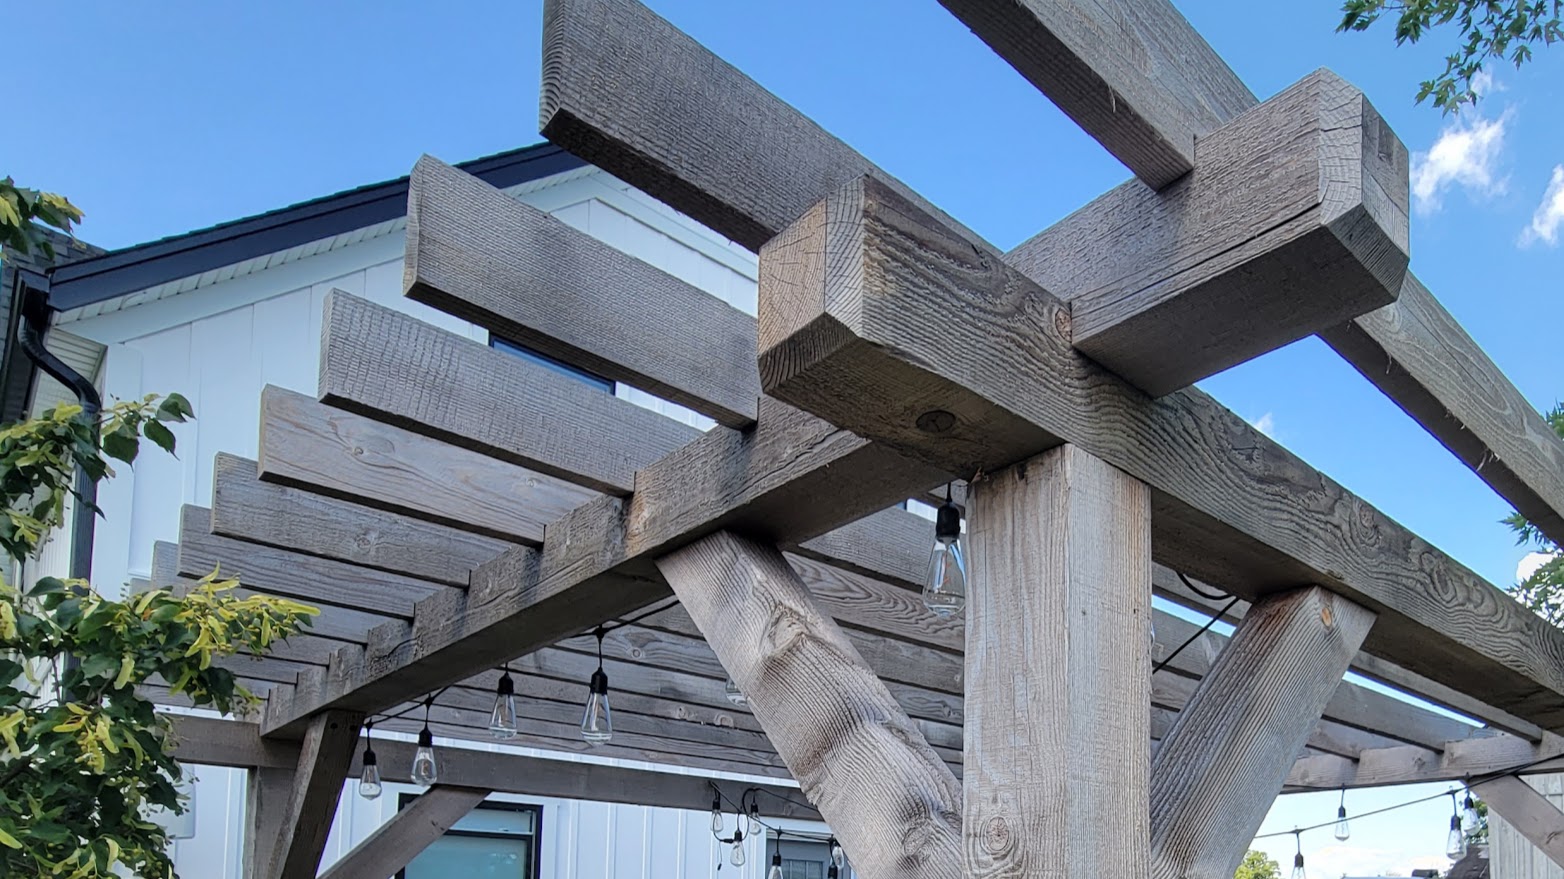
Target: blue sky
[{"x": 200, "y": 113}]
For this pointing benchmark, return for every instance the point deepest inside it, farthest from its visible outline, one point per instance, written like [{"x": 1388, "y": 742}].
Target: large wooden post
[
  {"x": 1058, "y": 670},
  {"x": 297, "y": 837},
  {"x": 889, "y": 798},
  {"x": 1229, "y": 752}
]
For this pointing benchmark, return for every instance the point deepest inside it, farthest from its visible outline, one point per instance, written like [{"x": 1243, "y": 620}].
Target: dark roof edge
[{"x": 147, "y": 265}]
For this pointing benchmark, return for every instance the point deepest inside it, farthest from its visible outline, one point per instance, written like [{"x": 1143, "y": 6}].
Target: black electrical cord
[
  {"x": 1190, "y": 585},
  {"x": 1192, "y": 638}
]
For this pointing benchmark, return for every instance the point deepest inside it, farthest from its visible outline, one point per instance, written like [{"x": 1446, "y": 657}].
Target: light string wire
[
  {"x": 1470, "y": 782},
  {"x": 743, "y": 815}
]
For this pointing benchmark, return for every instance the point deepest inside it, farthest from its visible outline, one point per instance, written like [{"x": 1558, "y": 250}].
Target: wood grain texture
[
  {"x": 307, "y": 444},
  {"x": 246, "y": 508},
  {"x": 1058, "y": 670},
  {"x": 1293, "y": 221},
  {"x": 1221, "y": 766},
  {"x": 1416, "y": 353},
  {"x": 281, "y": 572},
  {"x": 1231, "y": 506},
  {"x": 395, "y": 843},
  {"x": 479, "y": 254},
  {"x": 481, "y": 399},
  {"x": 1529, "y": 812},
  {"x": 1410, "y": 764},
  {"x": 267, "y": 794},
  {"x": 889, "y": 799},
  {"x": 1134, "y": 75},
  {"x": 317, "y": 785}
]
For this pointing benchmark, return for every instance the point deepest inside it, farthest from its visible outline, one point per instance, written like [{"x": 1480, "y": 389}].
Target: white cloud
[
  {"x": 1345, "y": 859},
  {"x": 1466, "y": 154},
  {"x": 1549, "y": 217},
  {"x": 1529, "y": 564},
  {"x": 1266, "y": 424}
]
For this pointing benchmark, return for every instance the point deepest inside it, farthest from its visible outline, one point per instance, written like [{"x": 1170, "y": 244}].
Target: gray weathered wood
[
  {"x": 478, "y": 398},
  {"x": 1422, "y": 359},
  {"x": 1058, "y": 670},
  {"x": 888, "y": 797},
  {"x": 307, "y": 444},
  {"x": 244, "y": 507},
  {"x": 1410, "y": 764},
  {"x": 1233, "y": 507},
  {"x": 317, "y": 784},
  {"x": 266, "y": 807},
  {"x": 1133, "y": 74},
  {"x": 395, "y": 843},
  {"x": 1294, "y": 220},
  {"x": 1529, "y": 812},
  {"x": 1224, "y": 761},
  {"x": 477, "y": 253}
]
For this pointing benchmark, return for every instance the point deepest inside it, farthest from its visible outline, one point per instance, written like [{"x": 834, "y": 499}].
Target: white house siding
[{"x": 221, "y": 343}]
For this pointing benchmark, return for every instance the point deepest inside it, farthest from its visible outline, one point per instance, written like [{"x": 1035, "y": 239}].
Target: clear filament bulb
[
  {"x": 1471, "y": 821},
  {"x": 945, "y": 590},
  {"x": 838, "y": 857},
  {"x": 597, "y": 722},
  {"x": 754, "y": 820},
  {"x": 426, "y": 769},
  {"x": 733, "y": 693},
  {"x": 503, "y": 723},
  {"x": 776, "y": 867},
  {"x": 737, "y": 856},
  {"x": 1342, "y": 829},
  {"x": 369, "y": 786},
  {"x": 716, "y": 820},
  {"x": 1297, "y": 867},
  {"x": 1455, "y": 842}
]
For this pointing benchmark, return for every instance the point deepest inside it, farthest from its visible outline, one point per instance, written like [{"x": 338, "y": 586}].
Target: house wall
[
  {"x": 1510, "y": 854},
  {"x": 220, "y": 344}
]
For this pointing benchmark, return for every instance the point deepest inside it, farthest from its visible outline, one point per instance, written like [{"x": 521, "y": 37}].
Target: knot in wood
[
  {"x": 1063, "y": 326},
  {"x": 358, "y": 451},
  {"x": 996, "y": 838},
  {"x": 936, "y": 421},
  {"x": 1327, "y": 616}
]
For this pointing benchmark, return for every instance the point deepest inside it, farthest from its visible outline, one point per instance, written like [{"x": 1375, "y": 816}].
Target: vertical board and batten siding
[
  {"x": 1511, "y": 855},
  {"x": 220, "y": 344}
]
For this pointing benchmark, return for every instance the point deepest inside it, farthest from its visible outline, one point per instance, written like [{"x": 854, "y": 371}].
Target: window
[
  {"x": 493, "y": 841},
  {"x": 516, "y": 349},
  {"x": 803, "y": 858}
]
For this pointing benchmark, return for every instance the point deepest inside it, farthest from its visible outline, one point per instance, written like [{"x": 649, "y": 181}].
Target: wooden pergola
[{"x": 453, "y": 509}]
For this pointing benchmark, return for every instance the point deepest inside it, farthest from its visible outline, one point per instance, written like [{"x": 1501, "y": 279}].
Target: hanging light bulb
[
  {"x": 776, "y": 863},
  {"x": 831, "y": 872},
  {"x": 1471, "y": 821},
  {"x": 1297, "y": 859},
  {"x": 716, "y": 814},
  {"x": 737, "y": 856},
  {"x": 945, "y": 591},
  {"x": 734, "y": 694},
  {"x": 502, "y": 723},
  {"x": 1342, "y": 830},
  {"x": 597, "y": 723},
  {"x": 754, "y": 819},
  {"x": 838, "y": 857},
  {"x": 426, "y": 771},
  {"x": 369, "y": 786},
  {"x": 1455, "y": 843}
]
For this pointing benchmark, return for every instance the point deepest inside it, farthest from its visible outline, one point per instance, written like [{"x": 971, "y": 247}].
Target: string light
[
  {"x": 1342, "y": 831},
  {"x": 503, "y": 723},
  {"x": 1297, "y": 859},
  {"x": 1455, "y": 842},
  {"x": 1471, "y": 821},
  {"x": 597, "y": 724},
  {"x": 716, "y": 814},
  {"x": 737, "y": 856},
  {"x": 754, "y": 818},
  {"x": 945, "y": 590},
  {"x": 838, "y": 857},
  {"x": 369, "y": 786},
  {"x": 426, "y": 770},
  {"x": 734, "y": 694},
  {"x": 776, "y": 861}
]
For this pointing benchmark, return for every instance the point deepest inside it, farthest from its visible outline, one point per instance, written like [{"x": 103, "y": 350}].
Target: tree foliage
[
  {"x": 1506, "y": 30},
  {"x": 24, "y": 213},
  {"x": 1543, "y": 591},
  {"x": 1256, "y": 865},
  {"x": 84, "y": 759}
]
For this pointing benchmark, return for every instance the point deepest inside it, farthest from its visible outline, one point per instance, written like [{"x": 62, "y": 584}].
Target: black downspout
[{"x": 29, "y": 335}]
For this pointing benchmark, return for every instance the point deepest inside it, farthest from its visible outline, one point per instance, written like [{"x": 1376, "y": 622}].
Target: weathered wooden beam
[
  {"x": 246, "y": 508},
  {"x": 1293, "y": 221},
  {"x": 395, "y": 843},
  {"x": 1409, "y": 764},
  {"x": 210, "y": 741},
  {"x": 307, "y": 444},
  {"x": 481, "y": 399},
  {"x": 1420, "y": 357},
  {"x": 1058, "y": 684},
  {"x": 1529, "y": 812},
  {"x": 857, "y": 345},
  {"x": 317, "y": 784},
  {"x": 886, "y": 794},
  {"x": 1134, "y": 75},
  {"x": 477, "y": 253},
  {"x": 1218, "y": 770},
  {"x": 269, "y": 790}
]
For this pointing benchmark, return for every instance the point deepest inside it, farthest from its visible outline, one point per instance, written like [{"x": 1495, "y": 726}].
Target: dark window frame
[
  {"x": 517, "y": 349},
  {"x": 496, "y": 806}
]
